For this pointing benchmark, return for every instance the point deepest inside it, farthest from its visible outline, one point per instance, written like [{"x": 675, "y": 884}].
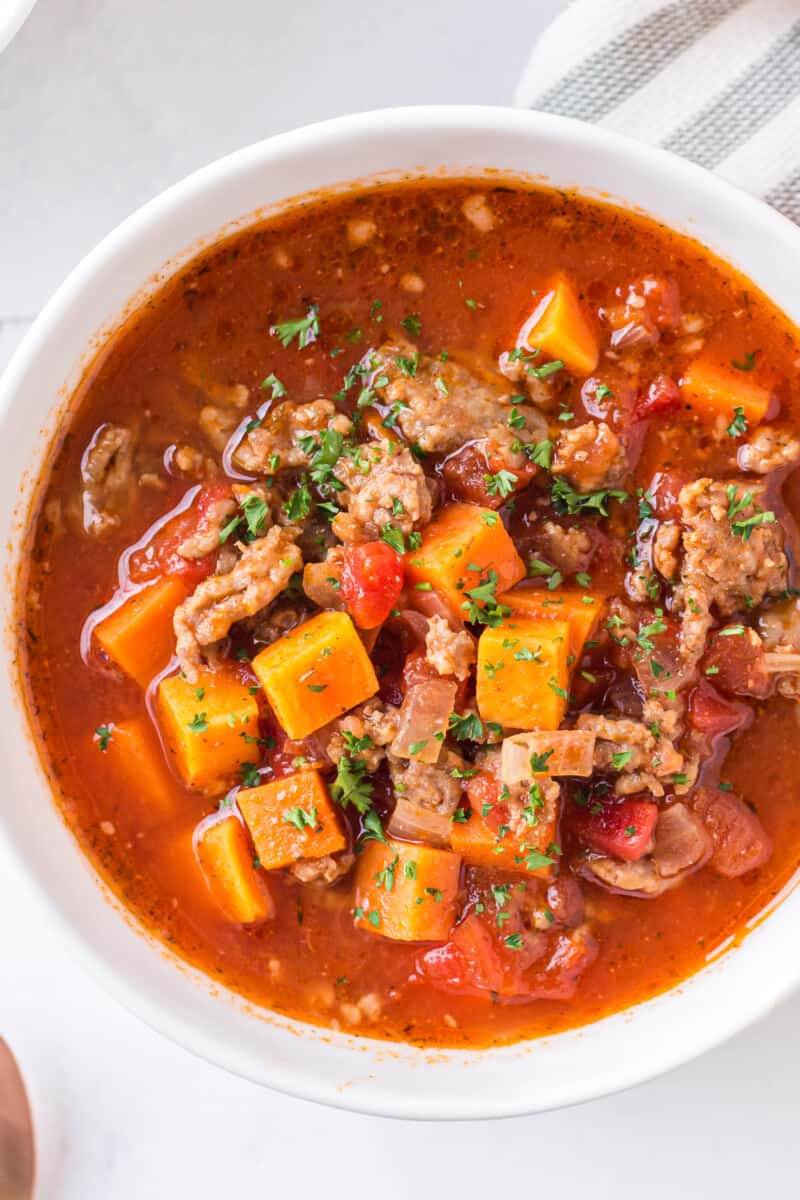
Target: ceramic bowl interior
[{"x": 338, "y": 1069}]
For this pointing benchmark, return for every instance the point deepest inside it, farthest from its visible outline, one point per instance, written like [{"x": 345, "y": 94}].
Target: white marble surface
[{"x": 103, "y": 103}]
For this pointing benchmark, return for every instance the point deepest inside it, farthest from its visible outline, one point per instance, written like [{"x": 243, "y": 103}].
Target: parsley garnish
[
  {"x": 103, "y": 735},
  {"x": 567, "y": 500},
  {"x": 738, "y": 424},
  {"x": 274, "y": 384},
  {"x": 747, "y": 363},
  {"x": 305, "y": 329}
]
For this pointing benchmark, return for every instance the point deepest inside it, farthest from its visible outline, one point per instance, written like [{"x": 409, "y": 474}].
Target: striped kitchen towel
[{"x": 717, "y": 81}]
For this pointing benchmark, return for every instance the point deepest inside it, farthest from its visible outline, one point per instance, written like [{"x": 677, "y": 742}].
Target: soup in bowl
[{"x": 406, "y": 615}]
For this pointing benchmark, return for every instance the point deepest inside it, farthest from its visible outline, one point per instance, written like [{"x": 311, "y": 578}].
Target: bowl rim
[{"x": 478, "y": 120}]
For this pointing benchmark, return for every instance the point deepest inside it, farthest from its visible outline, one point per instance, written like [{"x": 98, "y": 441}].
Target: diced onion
[
  {"x": 781, "y": 664},
  {"x": 561, "y": 752},
  {"x": 414, "y": 823},
  {"x": 424, "y": 714}
]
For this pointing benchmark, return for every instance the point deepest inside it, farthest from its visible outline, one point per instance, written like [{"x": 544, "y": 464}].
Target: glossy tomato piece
[
  {"x": 482, "y": 958},
  {"x": 664, "y": 490},
  {"x": 372, "y": 579},
  {"x": 468, "y": 475},
  {"x": 622, "y": 828},
  {"x": 735, "y": 664},
  {"x": 713, "y": 715},
  {"x": 661, "y": 398},
  {"x": 160, "y": 557}
]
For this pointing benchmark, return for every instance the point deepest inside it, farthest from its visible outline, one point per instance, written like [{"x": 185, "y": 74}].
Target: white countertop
[{"x": 102, "y": 104}]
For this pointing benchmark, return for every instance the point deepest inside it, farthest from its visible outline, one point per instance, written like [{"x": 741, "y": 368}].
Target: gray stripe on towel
[
  {"x": 744, "y": 106},
  {"x": 608, "y": 76},
  {"x": 785, "y": 196}
]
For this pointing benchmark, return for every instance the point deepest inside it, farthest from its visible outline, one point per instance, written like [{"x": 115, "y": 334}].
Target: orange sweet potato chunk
[
  {"x": 210, "y": 727},
  {"x": 132, "y": 752},
  {"x": 291, "y": 820},
  {"x": 714, "y": 391},
  {"x": 581, "y": 609},
  {"x": 485, "y": 839},
  {"x": 233, "y": 877},
  {"x": 315, "y": 672},
  {"x": 460, "y": 548},
  {"x": 407, "y": 892},
  {"x": 138, "y": 636},
  {"x": 523, "y": 673},
  {"x": 560, "y": 329}
]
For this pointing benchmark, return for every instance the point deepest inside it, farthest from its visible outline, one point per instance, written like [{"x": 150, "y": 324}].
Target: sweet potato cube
[
  {"x": 523, "y": 673},
  {"x": 231, "y": 872},
  {"x": 292, "y": 819},
  {"x": 407, "y": 892},
  {"x": 132, "y": 754},
  {"x": 560, "y": 329},
  {"x": 206, "y": 727},
  {"x": 315, "y": 673},
  {"x": 581, "y": 609},
  {"x": 486, "y": 842},
  {"x": 715, "y": 391},
  {"x": 460, "y": 549},
  {"x": 138, "y": 636}
]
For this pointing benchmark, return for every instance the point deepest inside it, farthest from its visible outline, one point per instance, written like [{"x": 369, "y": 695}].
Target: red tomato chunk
[
  {"x": 622, "y": 828},
  {"x": 372, "y": 579}
]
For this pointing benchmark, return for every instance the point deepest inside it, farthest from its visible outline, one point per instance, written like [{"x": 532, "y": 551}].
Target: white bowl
[
  {"x": 395, "y": 1080},
  {"x": 13, "y": 14}
]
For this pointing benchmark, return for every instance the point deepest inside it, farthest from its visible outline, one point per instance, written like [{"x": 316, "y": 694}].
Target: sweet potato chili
[{"x": 411, "y": 631}]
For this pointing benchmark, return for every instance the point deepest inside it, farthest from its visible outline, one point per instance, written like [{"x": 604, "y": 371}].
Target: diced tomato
[
  {"x": 735, "y": 664},
  {"x": 372, "y": 579},
  {"x": 468, "y": 472},
  {"x": 160, "y": 555},
  {"x": 476, "y": 959},
  {"x": 713, "y": 715},
  {"x": 664, "y": 490},
  {"x": 508, "y": 964},
  {"x": 739, "y": 839},
  {"x": 622, "y": 828},
  {"x": 662, "y": 397},
  {"x": 662, "y": 300},
  {"x": 482, "y": 792}
]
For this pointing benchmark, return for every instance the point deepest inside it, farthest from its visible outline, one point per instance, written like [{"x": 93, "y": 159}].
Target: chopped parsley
[
  {"x": 738, "y": 423},
  {"x": 412, "y": 324},
  {"x": 567, "y": 500},
  {"x": 274, "y": 385},
  {"x": 198, "y": 723},
  {"x": 305, "y": 329},
  {"x": 747, "y": 363},
  {"x": 103, "y": 736}
]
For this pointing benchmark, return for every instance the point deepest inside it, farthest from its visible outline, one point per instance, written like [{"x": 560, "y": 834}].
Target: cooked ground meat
[
  {"x": 263, "y": 571},
  {"x": 590, "y": 457},
  {"x": 779, "y": 626},
  {"x": 108, "y": 479},
  {"x": 770, "y": 448},
  {"x": 449, "y": 652},
  {"x": 373, "y": 719},
  {"x": 321, "y": 580},
  {"x": 542, "y": 392},
  {"x": 322, "y": 872},
  {"x": 666, "y": 546},
  {"x": 190, "y": 461},
  {"x": 206, "y": 538},
  {"x": 567, "y": 547},
  {"x": 443, "y": 404},
  {"x": 630, "y": 749},
  {"x": 384, "y": 485},
  {"x": 278, "y": 434},
  {"x": 429, "y": 785},
  {"x": 228, "y": 403},
  {"x": 722, "y": 570}
]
